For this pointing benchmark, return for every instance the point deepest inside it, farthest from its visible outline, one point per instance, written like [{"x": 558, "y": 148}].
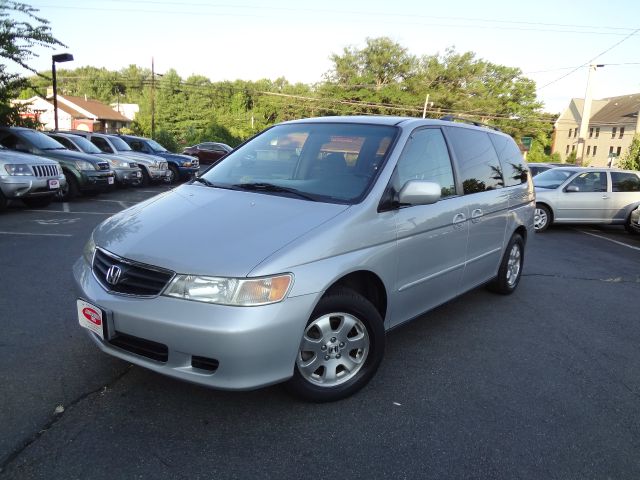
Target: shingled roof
[
  {"x": 96, "y": 108},
  {"x": 622, "y": 109}
]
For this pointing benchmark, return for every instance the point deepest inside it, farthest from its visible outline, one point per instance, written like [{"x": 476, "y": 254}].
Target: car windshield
[
  {"x": 329, "y": 162},
  {"x": 156, "y": 147},
  {"x": 85, "y": 145},
  {"x": 120, "y": 144},
  {"x": 552, "y": 178},
  {"x": 41, "y": 141}
]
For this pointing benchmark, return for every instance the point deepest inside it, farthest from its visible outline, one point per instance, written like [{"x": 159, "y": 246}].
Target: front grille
[
  {"x": 163, "y": 165},
  {"x": 195, "y": 162},
  {"x": 45, "y": 170},
  {"x": 140, "y": 346},
  {"x": 133, "y": 165},
  {"x": 103, "y": 166},
  {"x": 134, "y": 279}
]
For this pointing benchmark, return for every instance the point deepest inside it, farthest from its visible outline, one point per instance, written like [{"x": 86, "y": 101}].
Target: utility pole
[
  {"x": 424, "y": 110},
  {"x": 586, "y": 116},
  {"x": 153, "y": 104}
]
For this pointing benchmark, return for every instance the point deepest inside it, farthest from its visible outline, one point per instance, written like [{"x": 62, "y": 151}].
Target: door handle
[
  {"x": 605, "y": 196},
  {"x": 476, "y": 213},
  {"x": 459, "y": 218}
]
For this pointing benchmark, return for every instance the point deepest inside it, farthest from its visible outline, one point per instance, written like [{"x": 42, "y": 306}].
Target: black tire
[
  {"x": 71, "y": 190},
  {"x": 510, "y": 270},
  {"x": 146, "y": 179},
  {"x": 364, "y": 325},
  {"x": 37, "y": 202},
  {"x": 627, "y": 227},
  {"x": 175, "y": 175},
  {"x": 3, "y": 202},
  {"x": 542, "y": 218}
]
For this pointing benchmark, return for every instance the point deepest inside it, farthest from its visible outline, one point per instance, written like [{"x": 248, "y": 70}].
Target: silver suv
[
  {"x": 32, "y": 179},
  {"x": 321, "y": 235}
]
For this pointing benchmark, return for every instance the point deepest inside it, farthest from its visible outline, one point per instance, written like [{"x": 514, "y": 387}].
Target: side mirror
[
  {"x": 419, "y": 192},
  {"x": 572, "y": 189}
]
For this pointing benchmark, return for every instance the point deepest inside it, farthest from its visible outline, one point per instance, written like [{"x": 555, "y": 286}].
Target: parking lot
[{"x": 540, "y": 384}]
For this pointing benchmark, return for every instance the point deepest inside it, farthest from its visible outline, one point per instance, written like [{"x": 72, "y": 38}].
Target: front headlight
[
  {"x": 119, "y": 163},
  {"x": 186, "y": 164},
  {"x": 84, "y": 165},
  {"x": 230, "y": 291},
  {"x": 18, "y": 169},
  {"x": 89, "y": 250}
]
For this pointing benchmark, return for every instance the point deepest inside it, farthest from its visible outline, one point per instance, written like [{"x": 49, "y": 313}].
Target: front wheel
[
  {"x": 510, "y": 269},
  {"x": 541, "y": 218},
  {"x": 174, "y": 175},
  {"x": 341, "y": 348}
]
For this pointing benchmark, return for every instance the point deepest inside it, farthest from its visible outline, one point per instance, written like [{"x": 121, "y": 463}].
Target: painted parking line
[
  {"x": 37, "y": 234},
  {"x": 73, "y": 213},
  {"x": 122, "y": 203},
  {"x": 610, "y": 240}
]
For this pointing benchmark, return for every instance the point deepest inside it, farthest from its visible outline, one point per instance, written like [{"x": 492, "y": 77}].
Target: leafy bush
[
  {"x": 167, "y": 140},
  {"x": 631, "y": 158}
]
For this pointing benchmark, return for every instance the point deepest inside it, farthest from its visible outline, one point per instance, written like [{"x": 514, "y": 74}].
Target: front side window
[
  {"x": 590, "y": 182},
  {"x": 511, "y": 159},
  {"x": 119, "y": 144},
  {"x": 625, "y": 182},
  {"x": 480, "y": 168},
  {"x": 425, "y": 157},
  {"x": 102, "y": 144},
  {"x": 330, "y": 162}
]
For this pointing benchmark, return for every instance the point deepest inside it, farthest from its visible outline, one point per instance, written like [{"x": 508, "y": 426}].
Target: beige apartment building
[{"x": 613, "y": 123}]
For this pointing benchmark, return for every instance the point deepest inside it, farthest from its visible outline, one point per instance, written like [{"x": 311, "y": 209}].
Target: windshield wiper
[
  {"x": 204, "y": 181},
  {"x": 270, "y": 187}
]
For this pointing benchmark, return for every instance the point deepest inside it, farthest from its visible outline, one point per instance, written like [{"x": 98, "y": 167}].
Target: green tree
[
  {"x": 631, "y": 158},
  {"x": 18, "y": 37}
]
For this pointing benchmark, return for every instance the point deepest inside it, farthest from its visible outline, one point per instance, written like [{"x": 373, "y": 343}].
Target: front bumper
[
  {"x": 187, "y": 173},
  {"x": 254, "y": 346},
  {"x": 96, "y": 180},
  {"x": 18, "y": 186},
  {"x": 128, "y": 176}
]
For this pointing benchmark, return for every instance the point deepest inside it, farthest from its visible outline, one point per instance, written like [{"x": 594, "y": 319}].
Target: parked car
[
  {"x": 327, "y": 232},
  {"x": 585, "y": 195},
  {"x": 154, "y": 169},
  {"x": 537, "y": 168},
  {"x": 84, "y": 173},
  {"x": 127, "y": 171},
  {"x": 208, "y": 152},
  {"x": 634, "y": 221},
  {"x": 181, "y": 167},
  {"x": 34, "y": 180}
]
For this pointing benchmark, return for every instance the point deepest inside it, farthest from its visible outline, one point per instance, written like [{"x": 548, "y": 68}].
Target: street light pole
[
  {"x": 586, "y": 116},
  {"x": 59, "y": 58}
]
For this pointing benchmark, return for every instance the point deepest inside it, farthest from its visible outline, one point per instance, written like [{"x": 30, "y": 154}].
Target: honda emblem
[{"x": 113, "y": 275}]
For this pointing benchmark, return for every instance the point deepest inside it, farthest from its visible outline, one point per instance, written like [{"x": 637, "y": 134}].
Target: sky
[{"x": 252, "y": 39}]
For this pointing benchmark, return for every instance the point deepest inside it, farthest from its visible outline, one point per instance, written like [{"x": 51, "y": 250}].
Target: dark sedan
[{"x": 208, "y": 152}]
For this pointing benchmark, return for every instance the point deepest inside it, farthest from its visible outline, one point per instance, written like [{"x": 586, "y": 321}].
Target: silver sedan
[{"x": 585, "y": 195}]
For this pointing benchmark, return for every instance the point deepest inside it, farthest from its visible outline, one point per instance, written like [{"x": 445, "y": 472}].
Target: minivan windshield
[
  {"x": 553, "y": 178},
  {"x": 328, "y": 162},
  {"x": 120, "y": 144}
]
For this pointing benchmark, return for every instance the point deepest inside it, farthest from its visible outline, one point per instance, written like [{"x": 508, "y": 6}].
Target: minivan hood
[
  {"x": 176, "y": 157},
  {"x": 200, "y": 230},
  {"x": 141, "y": 157},
  {"x": 69, "y": 156}
]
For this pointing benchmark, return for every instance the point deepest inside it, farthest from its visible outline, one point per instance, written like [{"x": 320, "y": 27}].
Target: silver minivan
[{"x": 315, "y": 237}]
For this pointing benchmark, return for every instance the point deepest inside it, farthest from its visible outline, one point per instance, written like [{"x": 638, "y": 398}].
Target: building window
[
  {"x": 595, "y": 147},
  {"x": 588, "y": 149},
  {"x": 597, "y": 132},
  {"x": 567, "y": 152},
  {"x": 618, "y": 151},
  {"x": 610, "y": 150},
  {"x": 573, "y": 148},
  {"x": 591, "y": 132},
  {"x": 570, "y": 130},
  {"x": 613, "y": 132},
  {"x": 575, "y": 133},
  {"x": 621, "y": 132}
]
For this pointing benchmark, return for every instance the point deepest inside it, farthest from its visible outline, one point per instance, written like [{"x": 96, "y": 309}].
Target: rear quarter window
[{"x": 514, "y": 169}]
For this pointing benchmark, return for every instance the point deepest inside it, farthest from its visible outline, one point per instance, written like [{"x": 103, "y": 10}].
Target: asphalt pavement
[{"x": 540, "y": 384}]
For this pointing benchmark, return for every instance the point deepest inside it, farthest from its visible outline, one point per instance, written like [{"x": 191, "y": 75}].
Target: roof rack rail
[{"x": 451, "y": 118}]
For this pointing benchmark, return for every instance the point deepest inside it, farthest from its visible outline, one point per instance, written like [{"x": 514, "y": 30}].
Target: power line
[{"x": 588, "y": 62}]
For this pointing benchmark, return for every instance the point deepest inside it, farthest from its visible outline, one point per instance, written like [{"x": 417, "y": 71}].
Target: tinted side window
[
  {"x": 102, "y": 144},
  {"x": 625, "y": 182},
  {"x": 425, "y": 157},
  {"x": 66, "y": 142},
  {"x": 514, "y": 169},
  {"x": 479, "y": 166},
  {"x": 136, "y": 145}
]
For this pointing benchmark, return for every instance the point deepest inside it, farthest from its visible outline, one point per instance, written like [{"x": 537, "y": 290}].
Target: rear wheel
[
  {"x": 510, "y": 269},
  {"x": 38, "y": 202},
  {"x": 541, "y": 218},
  {"x": 341, "y": 348}
]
